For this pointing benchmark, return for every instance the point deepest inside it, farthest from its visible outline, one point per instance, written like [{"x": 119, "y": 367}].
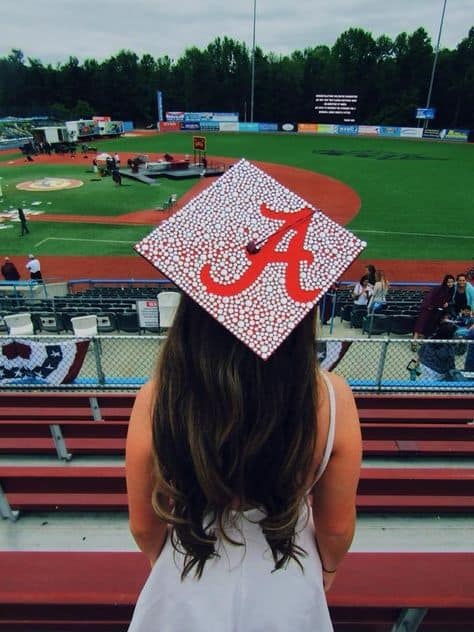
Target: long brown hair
[{"x": 231, "y": 430}]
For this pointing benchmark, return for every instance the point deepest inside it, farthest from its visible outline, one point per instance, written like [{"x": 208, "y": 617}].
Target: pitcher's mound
[{"x": 49, "y": 184}]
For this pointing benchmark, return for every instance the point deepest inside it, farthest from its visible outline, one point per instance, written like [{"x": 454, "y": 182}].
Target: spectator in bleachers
[
  {"x": 379, "y": 296},
  {"x": 463, "y": 294},
  {"x": 9, "y": 270},
  {"x": 432, "y": 307},
  {"x": 370, "y": 274},
  {"x": 362, "y": 291},
  {"x": 464, "y": 322},
  {"x": 34, "y": 267},
  {"x": 437, "y": 361}
]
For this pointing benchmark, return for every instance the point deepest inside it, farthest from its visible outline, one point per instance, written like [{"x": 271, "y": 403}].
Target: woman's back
[
  {"x": 238, "y": 590},
  {"x": 222, "y": 449}
]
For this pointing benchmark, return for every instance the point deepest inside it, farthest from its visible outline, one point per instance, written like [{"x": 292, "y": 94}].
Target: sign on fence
[{"x": 147, "y": 311}]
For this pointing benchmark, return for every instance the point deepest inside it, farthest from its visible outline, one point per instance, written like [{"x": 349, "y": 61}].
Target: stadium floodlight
[
  {"x": 252, "y": 80},
  {"x": 435, "y": 60}
]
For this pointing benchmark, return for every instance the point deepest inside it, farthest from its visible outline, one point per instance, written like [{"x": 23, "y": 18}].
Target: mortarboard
[{"x": 256, "y": 256}]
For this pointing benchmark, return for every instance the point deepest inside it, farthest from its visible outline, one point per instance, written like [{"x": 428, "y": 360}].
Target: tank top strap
[{"x": 331, "y": 428}]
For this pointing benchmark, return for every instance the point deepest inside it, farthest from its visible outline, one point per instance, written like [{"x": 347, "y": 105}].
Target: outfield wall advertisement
[{"x": 177, "y": 121}]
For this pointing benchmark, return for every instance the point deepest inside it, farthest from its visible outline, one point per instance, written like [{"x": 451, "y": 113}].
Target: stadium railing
[{"x": 377, "y": 364}]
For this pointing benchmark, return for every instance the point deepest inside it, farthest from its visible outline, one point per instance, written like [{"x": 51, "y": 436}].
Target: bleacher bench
[
  {"x": 374, "y": 592},
  {"x": 76, "y": 423},
  {"x": 79, "y": 488}
]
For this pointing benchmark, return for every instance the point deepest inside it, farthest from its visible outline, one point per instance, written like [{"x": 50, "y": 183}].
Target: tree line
[{"x": 391, "y": 77}]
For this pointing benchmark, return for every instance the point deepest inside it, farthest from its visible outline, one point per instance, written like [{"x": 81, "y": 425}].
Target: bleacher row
[
  {"x": 398, "y": 316},
  {"x": 115, "y": 308},
  {"x": 96, "y": 590}
]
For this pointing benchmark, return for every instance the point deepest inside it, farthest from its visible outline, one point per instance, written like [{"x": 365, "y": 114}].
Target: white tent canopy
[{"x": 103, "y": 157}]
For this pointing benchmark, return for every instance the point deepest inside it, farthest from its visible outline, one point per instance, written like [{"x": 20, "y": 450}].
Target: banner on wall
[
  {"x": 248, "y": 127},
  {"x": 433, "y": 134},
  {"x": 411, "y": 132},
  {"x": 287, "y": 127},
  {"x": 307, "y": 128},
  {"x": 326, "y": 128},
  {"x": 368, "y": 130},
  {"x": 210, "y": 126},
  {"x": 387, "y": 130},
  {"x": 212, "y": 116},
  {"x": 347, "y": 130},
  {"x": 461, "y": 135},
  {"x": 169, "y": 126},
  {"x": 46, "y": 363},
  {"x": 190, "y": 125},
  {"x": 174, "y": 116},
  {"x": 229, "y": 127},
  {"x": 267, "y": 127}
]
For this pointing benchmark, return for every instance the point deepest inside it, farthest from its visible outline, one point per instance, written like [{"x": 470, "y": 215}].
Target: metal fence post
[
  {"x": 381, "y": 365},
  {"x": 98, "y": 361}
]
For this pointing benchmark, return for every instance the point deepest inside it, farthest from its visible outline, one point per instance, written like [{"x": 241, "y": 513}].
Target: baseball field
[{"x": 411, "y": 201}]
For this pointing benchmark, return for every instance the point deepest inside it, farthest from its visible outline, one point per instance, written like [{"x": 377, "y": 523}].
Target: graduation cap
[{"x": 256, "y": 256}]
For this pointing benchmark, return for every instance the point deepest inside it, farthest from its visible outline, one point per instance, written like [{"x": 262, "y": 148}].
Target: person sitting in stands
[
  {"x": 438, "y": 359},
  {"x": 379, "y": 296},
  {"x": 362, "y": 291},
  {"x": 370, "y": 274},
  {"x": 464, "y": 322},
  {"x": 9, "y": 271},
  {"x": 437, "y": 300},
  {"x": 463, "y": 294}
]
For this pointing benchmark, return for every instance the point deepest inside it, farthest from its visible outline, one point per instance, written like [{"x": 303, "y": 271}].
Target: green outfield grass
[{"x": 417, "y": 196}]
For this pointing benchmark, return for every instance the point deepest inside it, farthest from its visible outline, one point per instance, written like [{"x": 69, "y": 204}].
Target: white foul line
[
  {"x": 103, "y": 241},
  {"x": 388, "y": 232}
]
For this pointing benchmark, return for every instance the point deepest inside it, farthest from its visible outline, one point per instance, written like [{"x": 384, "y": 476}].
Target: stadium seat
[
  {"x": 51, "y": 322},
  {"x": 128, "y": 322},
  {"x": 106, "y": 322},
  {"x": 357, "y": 317},
  {"x": 84, "y": 326},
  {"x": 346, "y": 311},
  {"x": 19, "y": 324},
  {"x": 167, "y": 305},
  {"x": 402, "y": 324},
  {"x": 376, "y": 324}
]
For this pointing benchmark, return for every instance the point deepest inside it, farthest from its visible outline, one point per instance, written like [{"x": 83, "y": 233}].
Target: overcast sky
[{"x": 52, "y": 30}]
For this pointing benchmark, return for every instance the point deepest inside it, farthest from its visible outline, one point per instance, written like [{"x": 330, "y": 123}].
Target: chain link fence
[{"x": 127, "y": 361}]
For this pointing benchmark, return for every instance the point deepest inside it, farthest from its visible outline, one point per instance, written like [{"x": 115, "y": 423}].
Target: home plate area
[{"x": 49, "y": 184}]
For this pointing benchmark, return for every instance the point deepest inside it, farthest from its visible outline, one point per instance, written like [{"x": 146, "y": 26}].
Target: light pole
[
  {"x": 252, "y": 80},
  {"x": 435, "y": 60}
]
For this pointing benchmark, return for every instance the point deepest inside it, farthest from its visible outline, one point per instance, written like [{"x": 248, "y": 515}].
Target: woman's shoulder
[
  {"x": 144, "y": 400},
  {"x": 343, "y": 395}
]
